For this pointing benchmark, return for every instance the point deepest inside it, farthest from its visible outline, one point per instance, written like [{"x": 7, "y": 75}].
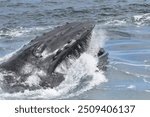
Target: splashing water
[
  {"x": 83, "y": 75},
  {"x": 143, "y": 19},
  {"x": 98, "y": 40}
]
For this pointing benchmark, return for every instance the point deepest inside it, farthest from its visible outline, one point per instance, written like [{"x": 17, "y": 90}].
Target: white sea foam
[
  {"x": 98, "y": 40},
  {"x": 20, "y": 31},
  {"x": 27, "y": 68},
  {"x": 82, "y": 68},
  {"x": 34, "y": 79},
  {"x": 143, "y": 19},
  {"x": 116, "y": 22},
  {"x": 146, "y": 81},
  {"x": 147, "y": 91},
  {"x": 139, "y": 20},
  {"x": 131, "y": 87}
]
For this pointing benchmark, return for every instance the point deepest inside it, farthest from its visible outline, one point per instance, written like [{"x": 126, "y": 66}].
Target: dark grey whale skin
[{"x": 46, "y": 53}]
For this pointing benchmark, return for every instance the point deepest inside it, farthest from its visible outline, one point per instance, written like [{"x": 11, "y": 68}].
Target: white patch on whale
[
  {"x": 34, "y": 79},
  {"x": 27, "y": 68},
  {"x": 46, "y": 53}
]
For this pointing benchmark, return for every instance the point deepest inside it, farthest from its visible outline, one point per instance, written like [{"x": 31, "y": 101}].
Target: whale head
[
  {"x": 62, "y": 43},
  {"x": 45, "y": 53}
]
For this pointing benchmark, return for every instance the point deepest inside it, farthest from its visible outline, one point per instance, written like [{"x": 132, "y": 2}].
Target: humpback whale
[{"x": 45, "y": 53}]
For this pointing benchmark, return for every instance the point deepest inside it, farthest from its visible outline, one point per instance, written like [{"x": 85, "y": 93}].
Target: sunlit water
[{"x": 122, "y": 28}]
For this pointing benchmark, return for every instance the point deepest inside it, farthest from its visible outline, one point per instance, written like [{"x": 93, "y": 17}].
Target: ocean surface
[{"x": 122, "y": 28}]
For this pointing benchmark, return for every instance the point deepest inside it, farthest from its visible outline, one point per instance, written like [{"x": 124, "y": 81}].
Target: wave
[
  {"x": 128, "y": 68},
  {"x": 22, "y": 1},
  {"x": 141, "y": 20},
  {"x": 131, "y": 87},
  {"x": 21, "y": 31},
  {"x": 146, "y": 81},
  {"x": 116, "y": 22},
  {"x": 137, "y": 20}
]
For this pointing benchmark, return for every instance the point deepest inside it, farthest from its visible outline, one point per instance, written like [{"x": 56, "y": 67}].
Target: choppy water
[{"x": 122, "y": 28}]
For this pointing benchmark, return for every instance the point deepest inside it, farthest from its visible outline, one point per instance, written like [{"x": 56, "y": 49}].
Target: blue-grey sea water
[{"x": 122, "y": 28}]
